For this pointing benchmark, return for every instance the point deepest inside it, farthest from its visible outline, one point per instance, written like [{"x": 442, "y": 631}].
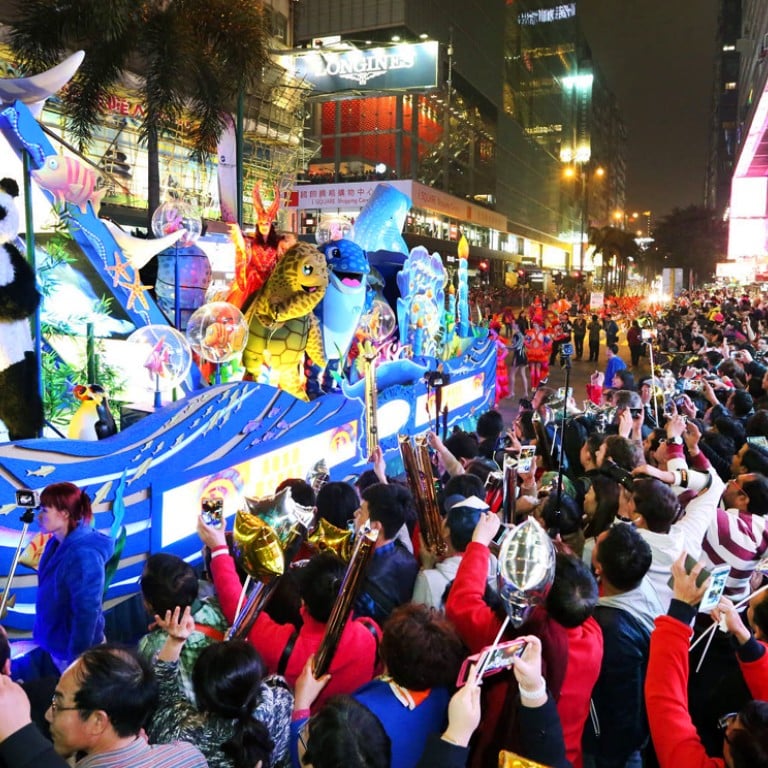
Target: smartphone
[
  {"x": 646, "y": 334},
  {"x": 491, "y": 660},
  {"x": 635, "y": 412},
  {"x": 212, "y": 511},
  {"x": 758, "y": 441},
  {"x": 690, "y": 562},
  {"x": 527, "y": 452},
  {"x": 715, "y": 589},
  {"x": 561, "y": 393}
]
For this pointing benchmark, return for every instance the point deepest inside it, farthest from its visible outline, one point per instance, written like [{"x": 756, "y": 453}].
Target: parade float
[{"x": 388, "y": 331}]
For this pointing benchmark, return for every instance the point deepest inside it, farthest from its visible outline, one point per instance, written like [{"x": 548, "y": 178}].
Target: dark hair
[
  {"x": 742, "y": 403},
  {"x": 345, "y": 732},
  {"x": 301, "y": 491},
  {"x": 729, "y": 426},
  {"x": 421, "y": 648},
  {"x": 700, "y": 340},
  {"x": 757, "y": 424},
  {"x": 573, "y": 596},
  {"x": 167, "y": 581},
  {"x": 489, "y": 425},
  {"x": 119, "y": 682},
  {"x": 481, "y": 468},
  {"x": 607, "y": 497},
  {"x": 757, "y": 490},
  {"x": 749, "y": 744},
  {"x": 627, "y": 379},
  {"x": 760, "y": 616},
  {"x": 625, "y": 557},
  {"x": 366, "y": 479},
  {"x": 755, "y": 460},
  {"x": 68, "y": 498},
  {"x": 613, "y": 347},
  {"x": 656, "y": 502},
  {"x": 386, "y": 505},
  {"x": 461, "y": 521},
  {"x": 462, "y": 445},
  {"x": 525, "y": 419},
  {"x": 337, "y": 503},
  {"x": 628, "y": 454},
  {"x": 569, "y": 519},
  {"x": 319, "y": 583},
  {"x": 226, "y": 680},
  {"x": 656, "y": 436},
  {"x": 464, "y": 485}
]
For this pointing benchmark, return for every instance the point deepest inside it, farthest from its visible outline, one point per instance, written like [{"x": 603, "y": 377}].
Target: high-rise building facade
[{"x": 509, "y": 99}]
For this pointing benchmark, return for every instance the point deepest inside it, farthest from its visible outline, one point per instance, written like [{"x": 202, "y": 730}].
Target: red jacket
[
  {"x": 353, "y": 665},
  {"x": 666, "y": 696},
  {"x": 570, "y": 657}
]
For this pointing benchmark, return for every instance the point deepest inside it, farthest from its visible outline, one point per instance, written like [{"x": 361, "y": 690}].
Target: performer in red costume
[
  {"x": 256, "y": 256},
  {"x": 538, "y": 345}
]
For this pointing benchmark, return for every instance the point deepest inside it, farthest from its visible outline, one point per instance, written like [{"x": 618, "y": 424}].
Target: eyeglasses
[
  {"x": 56, "y": 707},
  {"x": 725, "y": 722}
]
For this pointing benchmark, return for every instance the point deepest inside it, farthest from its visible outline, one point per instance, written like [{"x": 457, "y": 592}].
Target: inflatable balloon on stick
[
  {"x": 191, "y": 269},
  {"x": 526, "y": 569},
  {"x": 217, "y": 332},
  {"x": 164, "y": 354}
]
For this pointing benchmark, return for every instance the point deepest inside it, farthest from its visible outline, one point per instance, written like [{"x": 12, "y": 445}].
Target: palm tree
[
  {"x": 194, "y": 59},
  {"x": 617, "y": 243}
]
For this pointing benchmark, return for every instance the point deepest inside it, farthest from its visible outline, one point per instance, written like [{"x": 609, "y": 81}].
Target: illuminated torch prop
[
  {"x": 350, "y": 588},
  {"x": 462, "y": 306}
]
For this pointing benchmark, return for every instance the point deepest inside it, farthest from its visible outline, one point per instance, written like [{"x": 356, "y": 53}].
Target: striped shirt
[
  {"x": 740, "y": 540},
  {"x": 140, "y": 754}
]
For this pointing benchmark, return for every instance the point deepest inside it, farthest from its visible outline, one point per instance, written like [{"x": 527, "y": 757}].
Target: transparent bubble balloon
[
  {"x": 162, "y": 354},
  {"x": 175, "y": 215},
  {"x": 217, "y": 332},
  {"x": 332, "y": 228},
  {"x": 379, "y": 322}
]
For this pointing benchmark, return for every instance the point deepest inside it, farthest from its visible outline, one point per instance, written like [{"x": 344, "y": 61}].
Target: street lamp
[{"x": 586, "y": 173}]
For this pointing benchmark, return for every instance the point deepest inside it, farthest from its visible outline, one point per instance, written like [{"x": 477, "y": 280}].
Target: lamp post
[{"x": 586, "y": 173}]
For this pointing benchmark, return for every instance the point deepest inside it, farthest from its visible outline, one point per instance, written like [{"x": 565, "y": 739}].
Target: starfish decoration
[
  {"x": 120, "y": 269},
  {"x": 137, "y": 291}
]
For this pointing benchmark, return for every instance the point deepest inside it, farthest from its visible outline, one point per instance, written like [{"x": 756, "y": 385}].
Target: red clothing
[
  {"x": 666, "y": 696},
  {"x": 353, "y": 664},
  {"x": 570, "y": 657}
]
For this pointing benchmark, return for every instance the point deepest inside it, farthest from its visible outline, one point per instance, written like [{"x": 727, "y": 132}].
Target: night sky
[{"x": 658, "y": 58}]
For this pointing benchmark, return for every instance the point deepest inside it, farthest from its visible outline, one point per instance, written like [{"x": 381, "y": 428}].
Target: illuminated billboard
[{"x": 394, "y": 67}]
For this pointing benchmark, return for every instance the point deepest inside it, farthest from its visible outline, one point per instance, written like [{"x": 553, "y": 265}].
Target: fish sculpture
[
  {"x": 342, "y": 306},
  {"x": 70, "y": 181},
  {"x": 380, "y": 224}
]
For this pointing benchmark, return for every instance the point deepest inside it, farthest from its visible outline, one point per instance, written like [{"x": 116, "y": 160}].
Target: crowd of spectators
[{"x": 662, "y": 481}]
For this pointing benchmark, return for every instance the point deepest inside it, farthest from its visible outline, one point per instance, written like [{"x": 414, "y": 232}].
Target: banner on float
[{"x": 596, "y": 300}]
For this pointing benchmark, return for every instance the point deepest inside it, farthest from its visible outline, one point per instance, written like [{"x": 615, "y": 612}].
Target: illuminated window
[
  {"x": 730, "y": 86},
  {"x": 729, "y": 47}
]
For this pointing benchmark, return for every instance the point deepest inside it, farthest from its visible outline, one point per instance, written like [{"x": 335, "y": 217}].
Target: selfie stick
[
  {"x": 26, "y": 518},
  {"x": 565, "y": 360},
  {"x": 481, "y": 669}
]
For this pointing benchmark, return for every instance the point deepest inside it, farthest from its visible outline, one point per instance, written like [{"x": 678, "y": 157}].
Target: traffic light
[
  {"x": 522, "y": 277},
  {"x": 483, "y": 266}
]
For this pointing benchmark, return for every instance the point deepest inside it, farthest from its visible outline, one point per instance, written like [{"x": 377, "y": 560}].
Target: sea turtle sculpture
[{"x": 281, "y": 324}]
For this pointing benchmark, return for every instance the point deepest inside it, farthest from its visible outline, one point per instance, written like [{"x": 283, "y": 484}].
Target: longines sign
[{"x": 395, "y": 67}]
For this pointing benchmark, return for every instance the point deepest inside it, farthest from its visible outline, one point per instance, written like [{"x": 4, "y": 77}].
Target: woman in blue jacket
[{"x": 69, "y": 617}]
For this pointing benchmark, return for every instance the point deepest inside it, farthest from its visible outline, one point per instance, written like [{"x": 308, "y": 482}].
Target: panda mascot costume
[{"x": 21, "y": 408}]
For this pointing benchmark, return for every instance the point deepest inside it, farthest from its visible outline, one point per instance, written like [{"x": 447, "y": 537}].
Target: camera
[
  {"x": 27, "y": 498},
  {"x": 212, "y": 511}
]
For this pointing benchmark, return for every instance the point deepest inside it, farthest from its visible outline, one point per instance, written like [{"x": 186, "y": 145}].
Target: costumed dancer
[
  {"x": 538, "y": 345},
  {"x": 502, "y": 376},
  {"x": 255, "y": 257},
  {"x": 517, "y": 359},
  {"x": 68, "y": 611}
]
